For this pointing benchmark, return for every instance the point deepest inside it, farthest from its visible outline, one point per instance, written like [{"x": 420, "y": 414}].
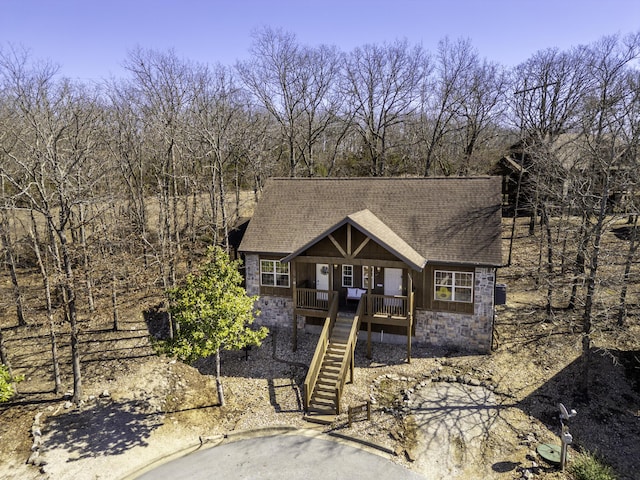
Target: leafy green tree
[
  {"x": 213, "y": 312},
  {"x": 7, "y": 381}
]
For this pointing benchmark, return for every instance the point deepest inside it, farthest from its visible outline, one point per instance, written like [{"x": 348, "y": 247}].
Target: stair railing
[
  {"x": 321, "y": 349},
  {"x": 348, "y": 358}
]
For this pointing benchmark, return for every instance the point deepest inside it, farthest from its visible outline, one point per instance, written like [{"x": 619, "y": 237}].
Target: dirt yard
[{"x": 139, "y": 407}]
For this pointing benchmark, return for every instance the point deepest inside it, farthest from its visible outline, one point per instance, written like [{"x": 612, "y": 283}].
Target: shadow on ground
[
  {"x": 111, "y": 428},
  {"x": 607, "y": 421}
]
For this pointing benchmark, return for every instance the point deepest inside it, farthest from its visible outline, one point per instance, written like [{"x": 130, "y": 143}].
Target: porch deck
[{"x": 390, "y": 310}]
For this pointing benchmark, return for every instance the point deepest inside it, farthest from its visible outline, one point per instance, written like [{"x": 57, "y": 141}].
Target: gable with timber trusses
[{"x": 360, "y": 238}]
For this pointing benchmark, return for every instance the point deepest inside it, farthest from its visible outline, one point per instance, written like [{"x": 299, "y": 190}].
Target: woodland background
[{"x": 120, "y": 185}]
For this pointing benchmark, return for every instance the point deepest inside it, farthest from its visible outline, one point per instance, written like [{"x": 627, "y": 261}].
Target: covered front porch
[{"x": 384, "y": 297}]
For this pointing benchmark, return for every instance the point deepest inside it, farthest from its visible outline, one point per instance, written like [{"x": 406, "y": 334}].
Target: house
[
  {"x": 516, "y": 185},
  {"x": 564, "y": 167},
  {"x": 415, "y": 256}
]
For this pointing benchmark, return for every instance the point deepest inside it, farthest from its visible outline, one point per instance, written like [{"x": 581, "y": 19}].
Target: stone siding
[
  {"x": 462, "y": 331},
  {"x": 252, "y": 274},
  {"x": 274, "y": 311}
]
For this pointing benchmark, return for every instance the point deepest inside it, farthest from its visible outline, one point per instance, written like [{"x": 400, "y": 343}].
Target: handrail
[
  {"x": 392, "y": 305},
  {"x": 318, "y": 356},
  {"x": 349, "y": 352},
  {"x": 313, "y": 298}
]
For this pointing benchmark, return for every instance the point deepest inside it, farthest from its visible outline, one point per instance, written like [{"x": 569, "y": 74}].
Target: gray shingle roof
[{"x": 450, "y": 220}]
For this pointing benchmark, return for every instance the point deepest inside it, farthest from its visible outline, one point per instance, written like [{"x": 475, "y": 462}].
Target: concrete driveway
[{"x": 298, "y": 454}]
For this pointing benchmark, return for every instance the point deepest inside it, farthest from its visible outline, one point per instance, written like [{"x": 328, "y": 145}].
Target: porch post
[
  {"x": 369, "y": 308},
  {"x": 295, "y": 305}
]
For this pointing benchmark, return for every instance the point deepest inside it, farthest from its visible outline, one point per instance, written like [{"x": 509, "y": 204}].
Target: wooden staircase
[{"x": 325, "y": 396}]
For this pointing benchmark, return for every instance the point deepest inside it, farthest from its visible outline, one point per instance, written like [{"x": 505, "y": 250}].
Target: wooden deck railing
[
  {"x": 388, "y": 305},
  {"x": 314, "y": 299},
  {"x": 348, "y": 359},
  {"x": 318, "y": 356}
]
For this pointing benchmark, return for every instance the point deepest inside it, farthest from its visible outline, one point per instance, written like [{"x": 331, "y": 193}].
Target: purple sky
[{"x": 90, "y": 39}]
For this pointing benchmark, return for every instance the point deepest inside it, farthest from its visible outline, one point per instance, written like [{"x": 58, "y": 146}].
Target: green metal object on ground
[{"x": 550, "y": 453}]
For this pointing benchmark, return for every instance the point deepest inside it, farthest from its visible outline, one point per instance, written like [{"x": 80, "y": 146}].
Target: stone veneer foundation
[
  {"x": 462, "y": 331},
  {"x": 457, "y": 331},
  {"x": 274, "y": 310}
]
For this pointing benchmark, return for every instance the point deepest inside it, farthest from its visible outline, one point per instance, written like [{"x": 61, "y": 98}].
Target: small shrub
[
  {"x": 6, "y": 383},
  {"x": 587, "y": 466}
]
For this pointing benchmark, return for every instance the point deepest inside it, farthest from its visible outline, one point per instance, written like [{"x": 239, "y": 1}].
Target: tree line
[{"x": 106, "y": 183}]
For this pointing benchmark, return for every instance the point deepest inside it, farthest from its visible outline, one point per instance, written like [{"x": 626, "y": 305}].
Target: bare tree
[
  {"x": 8, "y": 249},
  {"x": 381, "y": 83},
  {"x": 44, "y": 272},
  {"x": 276, "y": 77},
  {"x": 126, "y": 147},
  {"x": 321, "y": 104},
  {"x": 631, "y": 136},
  {"x": 217, "y": 114},
  {"x": 603, "y": 121},
  {"x": 441, "y": 97},
  {"x": 548, "y": 89},
  {"x": 162, "y": 89},
  {"x": 52, "y": 170},
  {"x": 482, "y": 105}
]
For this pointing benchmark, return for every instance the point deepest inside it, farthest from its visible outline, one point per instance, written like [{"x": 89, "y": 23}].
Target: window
[
  {"x": 453, "y": 286},
  {"x": 274, "y": 274},
  {"x": 365, "y": 277},
  {"x": 347, "y": 275}
]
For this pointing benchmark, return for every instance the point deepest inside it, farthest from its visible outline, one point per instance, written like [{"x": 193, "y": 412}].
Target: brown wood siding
[
  {"x": 306, "y": 275},
  {"x": 418, "y": 288},
  {"x": 433, "y": 304},
  {"x": 326, "y": 248}
]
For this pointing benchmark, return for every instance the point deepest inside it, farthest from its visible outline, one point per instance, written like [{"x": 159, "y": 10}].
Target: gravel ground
[{"x": 163, "y": 406}]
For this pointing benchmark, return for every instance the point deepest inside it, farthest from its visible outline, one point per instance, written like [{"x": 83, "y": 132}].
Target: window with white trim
[
  {"x": 452, "y": 286},
  {"x": 347, "y": 275},
  {"x": 274, "y": 274}
]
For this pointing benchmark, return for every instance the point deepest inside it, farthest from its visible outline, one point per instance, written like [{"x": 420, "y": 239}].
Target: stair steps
[{"x": 322, "y": 408}]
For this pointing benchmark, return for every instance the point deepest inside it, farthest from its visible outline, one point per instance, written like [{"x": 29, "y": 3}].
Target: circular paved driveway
[{"x": 292, "y": 455}]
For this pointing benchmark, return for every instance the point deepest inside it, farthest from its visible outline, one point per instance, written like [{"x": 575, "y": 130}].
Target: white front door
[
  {"x": 322, "y": 280},
  {"x": 392, "y": 286},
  {"x": 393, "y": 281}
]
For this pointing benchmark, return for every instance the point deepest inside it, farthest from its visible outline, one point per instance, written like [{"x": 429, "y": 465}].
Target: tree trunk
[
  {"x": 550, "y": 269},
  {"x": 174, "y": 204},
  {"x": 4, "y": 360},
  {"x": 114, "y": 300},
  {"x": 73, "y": 317},
  {"x": 85, "y": 261},
  {"x": 6, "y": 243},
  {"x": 223, "y": 206},
  {"x": 3, "y": 352},
  {"x": 591, "y": 287},
  {"x": 219, "y": 380},
  {"x": 578, "y": 269},
  {"x": 47, "y": 291},
  {"x": 633, "y": 246},
  {"x": 515, "y": 216}
]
